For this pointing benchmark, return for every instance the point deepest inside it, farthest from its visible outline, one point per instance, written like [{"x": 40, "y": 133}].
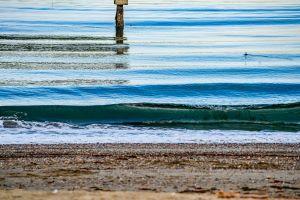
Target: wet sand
[{"x": 204, "y": 170}]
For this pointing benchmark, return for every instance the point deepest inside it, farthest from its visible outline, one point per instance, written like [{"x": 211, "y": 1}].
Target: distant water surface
[{"x": 185, "y": 71}]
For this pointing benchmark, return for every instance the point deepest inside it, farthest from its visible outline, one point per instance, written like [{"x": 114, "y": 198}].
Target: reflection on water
[
  {"x": 60, "y": 52},
  {"x": 61, "y": 66},
  {"x": 70, "y": 82}
]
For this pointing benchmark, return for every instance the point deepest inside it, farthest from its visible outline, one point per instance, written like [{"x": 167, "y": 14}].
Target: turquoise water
[{"x": 196, "y": 71}]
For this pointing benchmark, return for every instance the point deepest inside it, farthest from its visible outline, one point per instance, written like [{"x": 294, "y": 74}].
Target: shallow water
[{"x": 213, "y": 55}]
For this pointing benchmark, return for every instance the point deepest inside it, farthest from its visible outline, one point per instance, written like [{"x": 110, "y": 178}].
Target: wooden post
[
  {"x": 120, "y": 18},
  {"x": 119, "y": 22}
]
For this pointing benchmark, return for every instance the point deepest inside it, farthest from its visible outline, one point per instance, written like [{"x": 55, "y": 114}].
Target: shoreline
[{"x": 271, "y": 170}]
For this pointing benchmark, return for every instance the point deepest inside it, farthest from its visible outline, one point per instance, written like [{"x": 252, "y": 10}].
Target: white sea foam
[{"x": 53, "y": 133}]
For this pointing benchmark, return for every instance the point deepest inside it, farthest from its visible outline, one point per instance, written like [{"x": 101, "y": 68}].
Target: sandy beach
[{"x": 262, "y": 170}]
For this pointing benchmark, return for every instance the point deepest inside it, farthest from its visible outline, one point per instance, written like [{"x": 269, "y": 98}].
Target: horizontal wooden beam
[{"x": 121, "y": 2}]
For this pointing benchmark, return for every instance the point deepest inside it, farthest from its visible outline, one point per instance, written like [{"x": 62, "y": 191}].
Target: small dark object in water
[
  {"x": 10, "y": 124},
  {"x": 246, "y": 54}
]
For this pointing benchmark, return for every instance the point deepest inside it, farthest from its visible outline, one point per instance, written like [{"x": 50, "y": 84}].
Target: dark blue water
[{"x": 226, "y": 55}]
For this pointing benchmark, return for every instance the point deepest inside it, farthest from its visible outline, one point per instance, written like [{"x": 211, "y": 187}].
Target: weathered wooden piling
[{"x": 120, "y": 18}]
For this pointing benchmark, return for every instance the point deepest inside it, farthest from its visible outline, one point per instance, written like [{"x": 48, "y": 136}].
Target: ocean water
[{"x": 185, "y": 71}]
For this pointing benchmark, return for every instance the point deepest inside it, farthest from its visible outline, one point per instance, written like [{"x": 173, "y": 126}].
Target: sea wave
[{"x": 283, "y": 117}]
